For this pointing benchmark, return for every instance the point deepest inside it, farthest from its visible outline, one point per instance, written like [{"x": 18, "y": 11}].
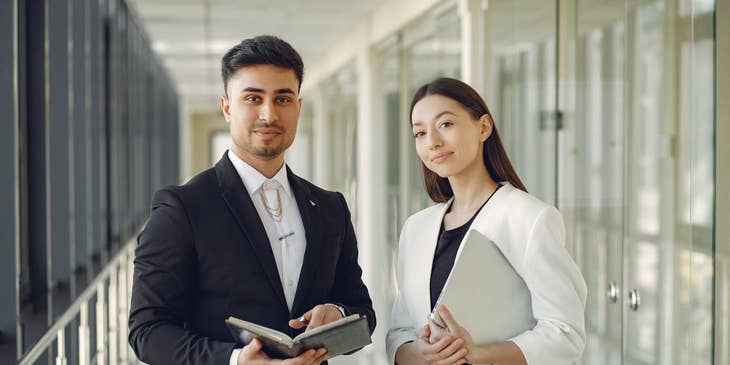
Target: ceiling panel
[{"x": 191, "y": 36}]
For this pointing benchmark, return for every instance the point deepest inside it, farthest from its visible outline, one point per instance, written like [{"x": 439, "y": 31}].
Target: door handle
[
  {"x": 634, "y": 300},
  {"x": 612, "y": 292}
]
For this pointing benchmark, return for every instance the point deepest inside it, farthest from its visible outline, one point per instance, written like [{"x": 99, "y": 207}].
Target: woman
[{"x": 467, "y": 172}]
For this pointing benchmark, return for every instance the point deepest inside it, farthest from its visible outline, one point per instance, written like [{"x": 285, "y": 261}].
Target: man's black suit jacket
[{"x": 204, "y": 255}]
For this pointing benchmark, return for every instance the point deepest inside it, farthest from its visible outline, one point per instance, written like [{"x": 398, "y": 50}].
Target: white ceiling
[{"x": 191, "y": 36}]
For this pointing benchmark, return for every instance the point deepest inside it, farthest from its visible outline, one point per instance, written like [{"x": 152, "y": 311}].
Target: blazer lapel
[
  {"x": 425, "y": 255},
  {"x": 310, "y": 211},
  {"x": 239, "y": 202},
  {"x": 487, "y": 222}
]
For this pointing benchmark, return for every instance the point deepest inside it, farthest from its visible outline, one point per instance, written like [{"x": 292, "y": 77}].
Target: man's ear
[
  {"x": 487, "y": 125},
  {"x": 225, "y": 108}
]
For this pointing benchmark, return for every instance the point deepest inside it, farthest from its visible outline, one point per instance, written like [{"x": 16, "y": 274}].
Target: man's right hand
[{"x": 251, "y": 354}]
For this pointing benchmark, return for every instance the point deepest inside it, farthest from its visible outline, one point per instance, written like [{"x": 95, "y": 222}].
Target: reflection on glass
[
  {"x": 340, "y": 93},
  {"x": 436, "y": 54},
  {"x": 523, "y": 100}
]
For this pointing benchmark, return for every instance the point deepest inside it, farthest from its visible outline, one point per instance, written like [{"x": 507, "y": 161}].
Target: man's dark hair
[{"x": 261, "y": 50}]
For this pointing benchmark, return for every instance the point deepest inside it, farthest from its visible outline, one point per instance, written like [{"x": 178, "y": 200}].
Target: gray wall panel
[
  {"x": 9, "y": 214},
  {"x": 80, "y": 125},
  {"x": 59, "y": 129}
]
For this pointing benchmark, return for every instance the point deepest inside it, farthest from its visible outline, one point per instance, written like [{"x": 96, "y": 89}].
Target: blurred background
[{"x": 615, "y": 111}]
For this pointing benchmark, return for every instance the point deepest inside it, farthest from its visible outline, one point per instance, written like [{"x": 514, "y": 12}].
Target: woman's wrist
[
  {"x": 479, "y": 354},
  {"x": 405, "y": 353},
  {"x": 496, "y": 353}
]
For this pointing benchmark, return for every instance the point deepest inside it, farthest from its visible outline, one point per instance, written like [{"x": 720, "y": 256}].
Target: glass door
[
  {"x": 670, "y": 183},
  {"x": 636, "y": 183},
  {"x": 591, "y": 178}
]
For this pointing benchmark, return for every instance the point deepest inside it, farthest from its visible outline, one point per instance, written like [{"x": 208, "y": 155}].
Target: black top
[{"x": 443, "y": 258}]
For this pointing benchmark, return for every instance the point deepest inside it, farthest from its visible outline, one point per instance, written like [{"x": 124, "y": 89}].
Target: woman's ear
[{"x": 487, "y": 125}]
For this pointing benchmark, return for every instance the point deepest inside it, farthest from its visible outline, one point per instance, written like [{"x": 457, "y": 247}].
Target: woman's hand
[
  {"x": 453, "y": 330},
  {"x": 446, "y": 351}
]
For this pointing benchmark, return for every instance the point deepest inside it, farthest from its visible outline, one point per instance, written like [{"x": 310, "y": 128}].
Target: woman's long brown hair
[{"x": 494, "y": 155}]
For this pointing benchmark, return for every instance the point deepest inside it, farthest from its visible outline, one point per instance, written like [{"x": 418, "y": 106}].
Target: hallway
[{"x": 613, "y": 111}]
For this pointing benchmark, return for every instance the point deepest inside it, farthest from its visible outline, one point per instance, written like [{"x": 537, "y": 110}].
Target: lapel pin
[{"x": 313, "y": 204}]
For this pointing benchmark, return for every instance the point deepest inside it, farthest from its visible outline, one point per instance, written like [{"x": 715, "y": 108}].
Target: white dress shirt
[{"x": 287, "y": 237}]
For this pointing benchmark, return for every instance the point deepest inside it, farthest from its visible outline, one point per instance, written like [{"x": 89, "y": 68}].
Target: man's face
[{"x": 262, "y": 108}]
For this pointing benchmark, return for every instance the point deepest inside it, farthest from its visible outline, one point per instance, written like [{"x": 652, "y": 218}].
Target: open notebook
[
  {"x": 485, "y": 294},
  {"x": 339, "y": 337}
]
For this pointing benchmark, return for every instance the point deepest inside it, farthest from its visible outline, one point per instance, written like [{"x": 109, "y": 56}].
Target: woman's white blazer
[{"x": 531, "y": 235}]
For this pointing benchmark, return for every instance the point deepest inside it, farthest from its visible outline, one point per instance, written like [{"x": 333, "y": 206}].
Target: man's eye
[
  {"x": 283, "y": 100},
  {"x": 252, "y": 98}
]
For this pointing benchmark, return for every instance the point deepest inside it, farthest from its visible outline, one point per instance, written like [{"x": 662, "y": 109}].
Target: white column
[
  {"x": 475, "y": 65},
  {"x": 371, "y": 183}
]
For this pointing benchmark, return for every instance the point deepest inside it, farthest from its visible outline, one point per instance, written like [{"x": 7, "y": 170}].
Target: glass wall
[
  {"x": 339, "y": 92},
  {"x": 635, "y": 179},
  {"x": 429, "y": 49},
  {"x": 89, "y": 129},
  {"x": 393, "y": 101},
  {"x": 302, "y": 151},
  {"x": 413, "y": 57},
  {"x": 592, "y": 178},
  {"x": 522, "y": 93}
]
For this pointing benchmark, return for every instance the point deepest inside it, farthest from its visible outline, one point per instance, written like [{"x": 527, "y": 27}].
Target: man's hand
[
  {"x": 251, "y": 354},
  {"x": 315, "y": 317}
]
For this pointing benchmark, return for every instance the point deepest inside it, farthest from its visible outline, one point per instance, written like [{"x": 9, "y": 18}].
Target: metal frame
[
  {"x": 16, "y": 173},
  {"x": 721, "y": 323},
  {"x": 119, "y": 265}
]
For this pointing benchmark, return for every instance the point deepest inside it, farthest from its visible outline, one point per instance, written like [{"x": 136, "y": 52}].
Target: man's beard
[{"x": 265, "y": 152}]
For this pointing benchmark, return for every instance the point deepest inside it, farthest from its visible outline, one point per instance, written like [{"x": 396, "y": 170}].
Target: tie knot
[{"x": 270, "y": 185}]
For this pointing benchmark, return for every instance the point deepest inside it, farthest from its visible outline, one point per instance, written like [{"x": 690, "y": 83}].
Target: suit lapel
[
  {"x": 309, "y": 209},
  {"x": 239, "y": 202}
]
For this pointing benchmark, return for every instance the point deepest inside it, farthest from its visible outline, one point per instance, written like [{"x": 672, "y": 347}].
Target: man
[{"x": 246, "y": 238}]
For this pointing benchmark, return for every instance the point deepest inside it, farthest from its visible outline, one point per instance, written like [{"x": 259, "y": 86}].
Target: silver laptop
[{"x": 485, "y": 294}]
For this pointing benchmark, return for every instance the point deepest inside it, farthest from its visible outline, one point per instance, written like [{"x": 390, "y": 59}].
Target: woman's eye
[
  {"x": 418, "y": 134},
  {"x": 446, "y": 123}
]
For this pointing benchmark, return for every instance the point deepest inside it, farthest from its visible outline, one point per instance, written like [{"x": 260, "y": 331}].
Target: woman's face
[{"x": 449, "y": 140}]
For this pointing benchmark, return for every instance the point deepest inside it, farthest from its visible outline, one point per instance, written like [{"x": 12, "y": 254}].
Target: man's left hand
[{"x": 315, "y": 317}]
